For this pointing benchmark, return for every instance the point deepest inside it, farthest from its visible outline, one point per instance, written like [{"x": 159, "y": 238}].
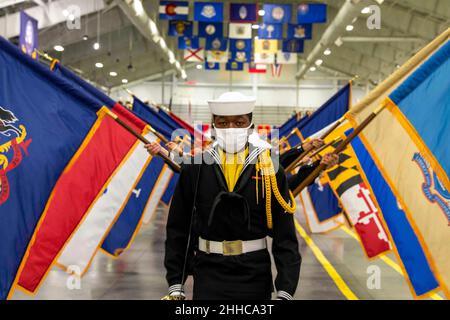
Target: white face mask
[{"x": 232, "y": 140}]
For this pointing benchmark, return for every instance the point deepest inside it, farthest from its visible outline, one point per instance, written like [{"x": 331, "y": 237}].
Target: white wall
[{"x": 277, "y": 98}]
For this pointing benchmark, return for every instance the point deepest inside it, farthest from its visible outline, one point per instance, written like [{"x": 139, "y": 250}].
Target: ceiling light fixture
[
  {"x": 99, "y": 65},
  {"x": 124, "y": 81},
  {"x": 58, "y": 48},
  {"x": 319, "y": 62},
  {"x": 349, "y": 27},
  {"x": 261, "y": 12},
  {"x": 96, "y": 46},
  {"x": 255, "y": 26},
  {"x": 113, "y": 74},
  {"x": 312, "y": 69},
  {"x": 199, "y": 67},
  {"x": 365, "y": 10},
  {"x": 327, "y": 52}
]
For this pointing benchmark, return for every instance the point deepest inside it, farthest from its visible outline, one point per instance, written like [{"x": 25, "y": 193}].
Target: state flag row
[
  {"x": 239, "y": 66},
  {"x": 243, "y": 12},
  {"x": 200, "y": 55},
  {"x": 208, "y": 30},
  {"x": 242, "y": 45}
]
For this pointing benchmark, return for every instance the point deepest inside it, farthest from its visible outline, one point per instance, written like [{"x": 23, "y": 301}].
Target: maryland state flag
[
  {"x": 356, "y": 198},
  {"x": 46, "y": 125}
]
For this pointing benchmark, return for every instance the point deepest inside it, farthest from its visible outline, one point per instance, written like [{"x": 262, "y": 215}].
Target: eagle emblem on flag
[
  {"x": 12, "y": 144},
  {"x": 432, "y": 187}
]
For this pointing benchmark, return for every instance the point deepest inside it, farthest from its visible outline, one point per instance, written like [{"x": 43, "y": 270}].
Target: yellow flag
[{"x": 266, "y": 46}]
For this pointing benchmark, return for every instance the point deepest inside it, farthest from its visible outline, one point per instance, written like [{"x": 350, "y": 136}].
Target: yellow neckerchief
[{"x": 232, "y": 165}]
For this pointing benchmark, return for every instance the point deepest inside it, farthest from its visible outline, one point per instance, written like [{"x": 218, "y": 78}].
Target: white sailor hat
[{"x": 232, "y": 104}]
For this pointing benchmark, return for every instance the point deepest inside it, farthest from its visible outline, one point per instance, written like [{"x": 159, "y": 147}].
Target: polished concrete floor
[{"x": 139, "y": 274}]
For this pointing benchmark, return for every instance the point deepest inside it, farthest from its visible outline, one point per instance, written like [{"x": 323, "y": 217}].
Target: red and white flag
[
  {"x": 88, "y": 237},
  {"x": 82, "y": 183},
  {"x": 257, "y": 68},
  {"x": 276, "y": 70}
]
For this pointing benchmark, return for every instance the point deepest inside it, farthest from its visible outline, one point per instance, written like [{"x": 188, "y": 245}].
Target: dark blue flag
[
  {"x": 241, "y": 56},
  {"x": 293, "y": 45},
  {"x": 180, "y": 28},
  {"x": 241, "y": 45},
  {"x": 208, "y": 11},
  {"x": 210, "y": 30},
  {"x": 325, "y": 203},
  {"x": 234, "y": 66},
  {"x": 188, "y": 43},
  {"x": 167, "y": 196},
  {"x": 277, "y": 13},
  {"x": 212, "y": 65},
  {"x": 44, "y": 120},
  {"x": 216, "y": 44},
  {"x": 329, "y": 112},
  {"x": 299, "y": 31},
  {"x": 243, "y": 12},
  {"x": 128, "y": 224},
  {"x": 312, "y": 13},
  {"x": 152, "y": 117},
  {"x": 270, "y": 31},
  {"x": 28, "y": 39},
  {"x": 82, "y": 85}
]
